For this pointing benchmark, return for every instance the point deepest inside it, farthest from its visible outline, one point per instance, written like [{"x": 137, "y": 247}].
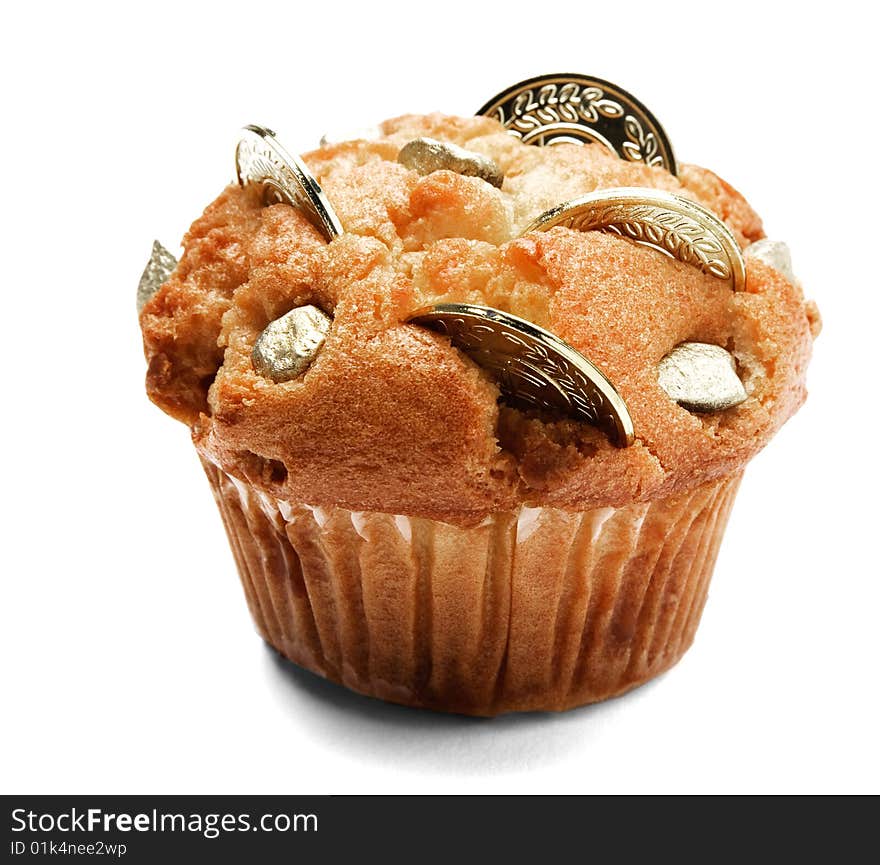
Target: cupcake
[{"x": 413, "y": 518}]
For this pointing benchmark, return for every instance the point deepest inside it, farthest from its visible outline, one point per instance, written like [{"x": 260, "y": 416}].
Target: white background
[{"x": 129, "y": 660}]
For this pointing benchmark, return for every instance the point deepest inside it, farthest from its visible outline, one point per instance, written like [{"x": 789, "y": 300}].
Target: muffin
[{"x": 402, "y": 526}]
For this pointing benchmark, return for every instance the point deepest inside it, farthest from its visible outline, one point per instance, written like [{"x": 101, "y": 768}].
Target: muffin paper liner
[{"x": 539, "y": 609}]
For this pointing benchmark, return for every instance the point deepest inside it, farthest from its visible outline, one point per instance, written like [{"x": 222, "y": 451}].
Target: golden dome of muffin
[{"x": 391, "y": 416}]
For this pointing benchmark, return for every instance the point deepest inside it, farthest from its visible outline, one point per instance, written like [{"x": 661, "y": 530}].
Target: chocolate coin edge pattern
[
  {"x": 640, "y": 136},
  {"x": 602, "y": 404},
  {"x": 669, "y": 223}
]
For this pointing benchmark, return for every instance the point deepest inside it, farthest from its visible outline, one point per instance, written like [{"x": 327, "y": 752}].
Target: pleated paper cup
[{"x": 537, "y": 609}]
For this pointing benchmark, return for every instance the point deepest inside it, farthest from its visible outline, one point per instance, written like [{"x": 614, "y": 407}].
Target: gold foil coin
[
  {"x": 533, "y": 367},
  {"x": 668, "y": 223},
  {"x": 260, "y": 159},
  {"x": 581, "y": 109},
  {"x": 701, "y": 377}
]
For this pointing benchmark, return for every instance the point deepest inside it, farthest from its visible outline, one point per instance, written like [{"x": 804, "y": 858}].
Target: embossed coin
[
  {"x": 260, "y": 159},
  {"x": 426, "y": 155},
  {"x": 581, "y": 109},
  {"x": 675, "y": 226},
  {"x": 155, "y": 274},
  {"x": 533, "y": 367},
  {"x": 701, "y": 377},
  {"x": 288, "y": 345}
]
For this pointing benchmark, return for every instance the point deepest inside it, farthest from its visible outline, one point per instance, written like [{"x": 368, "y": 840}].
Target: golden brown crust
[
  {"x": 181, "y": 322},
  {"x": 390, "y": 417}
]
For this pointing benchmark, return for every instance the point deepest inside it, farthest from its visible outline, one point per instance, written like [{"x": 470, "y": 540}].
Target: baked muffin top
[{"x": 390, "y": 416}]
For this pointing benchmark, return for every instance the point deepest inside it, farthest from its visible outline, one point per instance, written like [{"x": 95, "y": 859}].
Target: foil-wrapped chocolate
[
  {"x": 288, "y": 345},
  {"x": 155, "y": 275},
  {"x": 701, "y": 377},
  {"x": 427, "y": 154}
]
